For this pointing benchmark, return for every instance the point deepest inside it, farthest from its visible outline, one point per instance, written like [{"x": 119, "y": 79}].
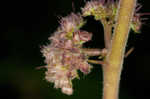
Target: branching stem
[{"x": 112, "y": 70}]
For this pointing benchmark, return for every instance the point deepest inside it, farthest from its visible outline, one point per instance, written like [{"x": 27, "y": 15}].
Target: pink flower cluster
[
  {"x": 100, "y": 9},
  {"x": 92, "y": 6},
  {"x": 106, "y": 10},
  {"x": 64, "y": 55}
]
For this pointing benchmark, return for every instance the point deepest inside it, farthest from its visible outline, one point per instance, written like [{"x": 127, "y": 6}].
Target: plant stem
[
  {"x": 107, "y": 33},
  {"x": 114, "y": 59},
  {"x": 96, "y": 62},
  {"x": 95, "y": 52}
]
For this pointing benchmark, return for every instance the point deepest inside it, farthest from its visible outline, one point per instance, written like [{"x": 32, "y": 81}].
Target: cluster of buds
[
  {"x": 101, "y": 10},
  {"x": 64, "y": 55},
  {"x": 107, "y": 11}
]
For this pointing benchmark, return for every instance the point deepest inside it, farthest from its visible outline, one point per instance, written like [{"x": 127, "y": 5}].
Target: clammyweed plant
[{"x": 65, "y": 55}]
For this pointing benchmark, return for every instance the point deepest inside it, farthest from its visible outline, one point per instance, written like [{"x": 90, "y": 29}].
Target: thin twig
[
  {"x": 96, "y": 62},
  {"x": 107, "y": 34},
  {"x": 129, "y": 52},
  {"x": 94, "y": 51}
]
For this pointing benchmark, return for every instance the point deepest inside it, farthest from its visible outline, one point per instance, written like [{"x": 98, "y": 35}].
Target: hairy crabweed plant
[{"x": 65, "y": 55}]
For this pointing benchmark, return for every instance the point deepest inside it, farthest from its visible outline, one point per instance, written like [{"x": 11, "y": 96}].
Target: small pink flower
[
  {"x": 71, "y": 23},
  {"x": 92, "y": 6},
  {"x": 85, "y": 36}
]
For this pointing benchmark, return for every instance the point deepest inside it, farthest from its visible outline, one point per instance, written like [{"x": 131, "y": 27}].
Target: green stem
[{"x": 114, "y": 60}]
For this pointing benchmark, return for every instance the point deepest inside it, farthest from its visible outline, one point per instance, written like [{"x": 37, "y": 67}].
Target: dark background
[{"x": 27, "y": 24}]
